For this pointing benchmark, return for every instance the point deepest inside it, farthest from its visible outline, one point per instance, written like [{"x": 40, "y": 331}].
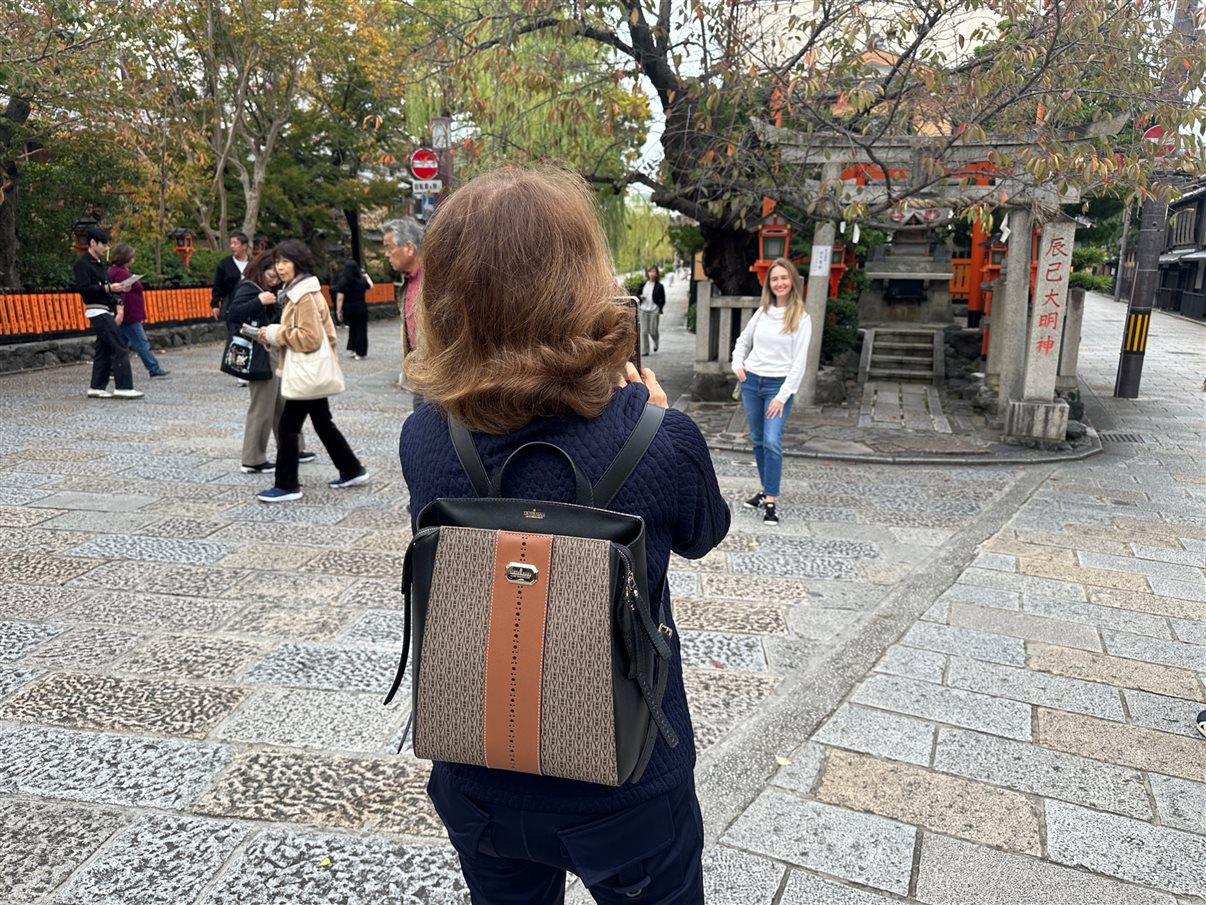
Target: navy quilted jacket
[{"x": 673, "y": 488}]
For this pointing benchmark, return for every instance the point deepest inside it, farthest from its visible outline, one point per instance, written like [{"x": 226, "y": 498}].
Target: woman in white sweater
[{"x": 769, "y": 361}]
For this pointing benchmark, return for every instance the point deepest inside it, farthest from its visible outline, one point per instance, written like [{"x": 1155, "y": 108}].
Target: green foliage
[
  {"x": 634, "y": 283},
  {"x": 1097, "y": 282},
  {"x": 74, "y": 183},
  {"x": 1085, "y": 257},
  {"x": 636, "y": 232},
  {"x": 841, "y": 318},
  {"x": 203, "y": 264},
  {"x": 685, "y": 238}
]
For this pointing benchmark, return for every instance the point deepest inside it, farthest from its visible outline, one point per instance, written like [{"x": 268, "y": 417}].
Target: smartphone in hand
[
  {"x": 633, "y": 303},
  {"x": 250, "y": 331}
]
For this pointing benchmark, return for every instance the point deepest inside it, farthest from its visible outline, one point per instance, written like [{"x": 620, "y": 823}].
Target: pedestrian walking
[
  {"x": 305, "y": 324},
  {"x": 135, "y": 311},
  {"x": 351, "y": 308},
  {"x": 104, "y": 311},
  {"x": 523, "y": 346},
  {"x": 769, "y": 360},
  {"x": 653, "y": 301},
  {"x": 403, "y": 241},
  {"x": 255, "y": 303}
]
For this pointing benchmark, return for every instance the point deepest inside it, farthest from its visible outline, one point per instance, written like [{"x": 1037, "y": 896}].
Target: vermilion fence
[
  {"x": 960, "y": 278},
  {"x": 30, "y": 315}
]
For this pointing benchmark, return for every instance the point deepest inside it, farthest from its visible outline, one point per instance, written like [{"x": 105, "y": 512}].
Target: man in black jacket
[
  {"x": 104, "y": 312},
  {"x": 229, "y": 272}
]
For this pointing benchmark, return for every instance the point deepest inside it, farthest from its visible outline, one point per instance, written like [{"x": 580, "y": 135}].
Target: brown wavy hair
[{"x": 518, "y": 316}]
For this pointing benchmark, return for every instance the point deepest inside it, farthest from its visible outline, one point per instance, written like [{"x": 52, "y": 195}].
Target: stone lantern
[{"x": 183, "y": 244}]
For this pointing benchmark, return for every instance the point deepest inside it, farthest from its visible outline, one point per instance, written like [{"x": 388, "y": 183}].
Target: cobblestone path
[{"x": 911, "y": 682}]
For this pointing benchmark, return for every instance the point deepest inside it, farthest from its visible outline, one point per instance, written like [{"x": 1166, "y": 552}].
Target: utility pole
[
  {"x": 1147, "y": 256},
  {"x": 1126, "y": 230}
]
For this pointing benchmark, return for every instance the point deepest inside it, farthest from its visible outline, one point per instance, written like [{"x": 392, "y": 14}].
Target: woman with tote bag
[{"x": 309, "y": 375}]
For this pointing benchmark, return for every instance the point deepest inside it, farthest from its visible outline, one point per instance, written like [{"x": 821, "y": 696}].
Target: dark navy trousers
[{"x": 649, "y": 853}]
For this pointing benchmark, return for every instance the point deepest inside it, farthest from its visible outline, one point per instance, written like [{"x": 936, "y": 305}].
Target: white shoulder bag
[{"x": 311, "y": 375}]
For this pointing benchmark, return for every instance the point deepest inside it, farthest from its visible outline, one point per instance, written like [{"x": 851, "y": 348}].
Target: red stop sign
[{"x": 425, "y": 164}]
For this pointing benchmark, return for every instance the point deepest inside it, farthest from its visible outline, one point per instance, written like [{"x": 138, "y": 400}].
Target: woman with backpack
[{"x": 524, "y": 341}]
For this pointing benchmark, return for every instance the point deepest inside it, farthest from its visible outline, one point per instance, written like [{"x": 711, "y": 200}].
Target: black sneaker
[
  {"x": 756, "y": 501},
  {"x": 771, "y": 517},
  {"x": 303, "y": 458},
  {"x": 262, "y": 468},
  {"x": 1202, "y": 722}
]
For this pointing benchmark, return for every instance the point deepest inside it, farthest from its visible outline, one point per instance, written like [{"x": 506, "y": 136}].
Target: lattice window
[{"x": 1181, "y": 229}]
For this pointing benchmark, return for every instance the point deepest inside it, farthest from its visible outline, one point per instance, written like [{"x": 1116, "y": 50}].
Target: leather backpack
[{"x": 535, "y": 645}]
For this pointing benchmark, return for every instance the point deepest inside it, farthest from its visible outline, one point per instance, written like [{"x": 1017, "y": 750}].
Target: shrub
[
  {"x": 203, "y": 265},
  {"x": 841, "y": 327},
  {"x": 1097, "y": 282}
]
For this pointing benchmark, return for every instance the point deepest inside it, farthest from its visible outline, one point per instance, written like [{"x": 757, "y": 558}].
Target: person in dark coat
[
  {"x": 351, "y": 308},
  {"x": 104, "y": 311},
  {"x": 229, "y": 273},
  {"x": 521, "y": 345}
]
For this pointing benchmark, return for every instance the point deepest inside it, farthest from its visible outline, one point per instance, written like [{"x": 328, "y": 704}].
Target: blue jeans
[
  {"x": 137, "y": 339},
  {"x": 766, "y": 434}
]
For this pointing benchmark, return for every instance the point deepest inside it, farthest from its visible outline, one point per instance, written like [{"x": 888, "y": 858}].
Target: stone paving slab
[
  {"x": 82, "y": 701},
  {"x": 386, "y": 795},
  {"x": 154, "y": 861},
  {"x": 952, "y": 872},
  {"x": 865, "y": 848},
  {"x": 106, "y": 769},
  {"x": 42, "y": 843},
  {"x": 989, "y": 815},
  {"x": 1128, "y": 849},
  {"x": 302, "y": 868}
]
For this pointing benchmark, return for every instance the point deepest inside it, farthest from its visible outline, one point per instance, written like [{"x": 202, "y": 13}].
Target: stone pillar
[
  {"x": 817, "y": 295},
  {"x": 1036, "y": 414},
  {"x": 815, "y": 300},
  {"x": 1069, "y": 353},
  {"x": 1010, "y": 310}
]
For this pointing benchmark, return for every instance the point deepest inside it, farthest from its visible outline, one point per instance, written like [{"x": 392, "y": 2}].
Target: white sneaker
[
  {"x": 99, "y": 394},
  {"x": 128, "y": 394}
]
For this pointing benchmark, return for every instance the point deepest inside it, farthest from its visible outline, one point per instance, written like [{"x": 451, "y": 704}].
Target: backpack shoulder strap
[
  {"x": 471, "y": 462},
  {"x": 630, "y": 454}
]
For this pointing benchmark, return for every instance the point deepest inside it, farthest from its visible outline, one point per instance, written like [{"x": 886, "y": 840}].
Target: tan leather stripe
[{"x": 515, "y": 654}]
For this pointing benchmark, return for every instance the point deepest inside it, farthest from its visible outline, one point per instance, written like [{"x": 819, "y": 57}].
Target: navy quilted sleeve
[{"x": 703, "y": 515}]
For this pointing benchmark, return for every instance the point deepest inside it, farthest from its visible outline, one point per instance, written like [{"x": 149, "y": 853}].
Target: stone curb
[
  {"x": 953, "y": 459},
  {"x": 988, "y": 458}
]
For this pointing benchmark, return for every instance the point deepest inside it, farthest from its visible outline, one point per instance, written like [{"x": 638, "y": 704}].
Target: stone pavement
[{"x": 949, "y": 683}]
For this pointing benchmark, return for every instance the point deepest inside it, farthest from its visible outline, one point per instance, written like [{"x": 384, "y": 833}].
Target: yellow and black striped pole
[{"x": 1143, "y": 296}]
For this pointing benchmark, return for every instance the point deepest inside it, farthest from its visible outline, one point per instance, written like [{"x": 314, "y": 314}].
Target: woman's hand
[
  {"x": 775, "y": 409},
  {"x": 657, "y": 396},
  {"x": 339, "y": 315},
  {"x": 120, "y": 315},
  {"x": 267, "y": 298},
  {"x": 740, "y": 372},
  {"x": 262, "y": 338}
]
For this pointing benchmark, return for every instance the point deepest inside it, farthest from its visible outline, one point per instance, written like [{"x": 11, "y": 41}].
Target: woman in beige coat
[{"x": 305, "y": 324}]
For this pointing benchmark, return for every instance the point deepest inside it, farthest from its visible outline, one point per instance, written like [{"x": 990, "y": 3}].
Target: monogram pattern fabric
[
  {"x": 577, "y": 729},
  {"x": 450, "y": 724}
]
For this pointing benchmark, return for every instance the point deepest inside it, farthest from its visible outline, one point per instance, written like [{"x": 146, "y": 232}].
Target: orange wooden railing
[{"x": 42, "y": 313}]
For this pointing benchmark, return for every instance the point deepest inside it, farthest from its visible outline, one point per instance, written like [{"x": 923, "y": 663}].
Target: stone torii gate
[{"x": 1026, "y": 350}]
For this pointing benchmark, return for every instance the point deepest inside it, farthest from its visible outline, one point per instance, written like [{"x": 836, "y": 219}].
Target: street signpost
[{"x": 425, "y": 164}]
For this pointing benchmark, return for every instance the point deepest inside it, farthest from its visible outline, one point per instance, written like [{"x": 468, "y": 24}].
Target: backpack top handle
[
  {"x": 583, "y": 493},
  {"x": 602, "y": 493}
]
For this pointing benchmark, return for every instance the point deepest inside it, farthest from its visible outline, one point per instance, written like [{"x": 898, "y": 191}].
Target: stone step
[
  {"x": 926, "y": 348},
  {"x": 901, "y": 361},
  {"x": 899, "y": 374}
]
